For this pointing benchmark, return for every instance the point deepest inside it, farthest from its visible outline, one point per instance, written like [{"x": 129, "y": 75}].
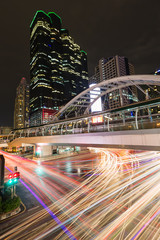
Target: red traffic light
[
  {"x": 16, "y": 175},
  {"x": 10, "y": 176}
]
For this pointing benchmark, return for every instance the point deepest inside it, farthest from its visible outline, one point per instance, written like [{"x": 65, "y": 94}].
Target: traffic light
[
  {"x": 13, "y": 178},
  {"x": 10, "y": 176},
  {"x": 16, "y": 175},
  {"x": 10, "y": 182}
]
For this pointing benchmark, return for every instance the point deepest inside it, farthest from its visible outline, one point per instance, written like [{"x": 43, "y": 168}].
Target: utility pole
[{"x": 2, "y": 164}]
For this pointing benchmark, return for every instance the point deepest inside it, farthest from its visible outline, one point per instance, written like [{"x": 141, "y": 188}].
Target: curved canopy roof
[{"x": 81, "y": 104}]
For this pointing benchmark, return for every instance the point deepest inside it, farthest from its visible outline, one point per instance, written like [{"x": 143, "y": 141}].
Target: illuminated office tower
[
  {"x": 116, "y": 66},
  {"x": 21, "y": 110},
  {"x": 74, "y": 61},
  {"x": 58, "y": 67}
]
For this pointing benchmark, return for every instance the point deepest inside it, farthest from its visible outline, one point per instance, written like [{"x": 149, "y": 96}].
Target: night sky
[{"x": 102, "y": 28}]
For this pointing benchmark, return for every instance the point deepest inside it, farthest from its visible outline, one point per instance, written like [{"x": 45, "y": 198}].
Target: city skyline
[{"x": 111, "y": 30}]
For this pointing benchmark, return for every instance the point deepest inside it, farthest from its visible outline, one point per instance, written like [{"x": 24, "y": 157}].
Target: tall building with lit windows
[
  {"x": 111, "y": 67},
  {"x": 150, "y": 91},
  {"x": 74, "y": 62},
  {"x": 58, "y": 67},
  {"x": 21, "y": 110}
]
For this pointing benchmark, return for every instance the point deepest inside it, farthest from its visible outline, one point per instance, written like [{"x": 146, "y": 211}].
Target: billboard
[
  {"x": 47, "y": 115},
  {"x": 97, "y": 119},
  {"x": 97, "y": 105}
]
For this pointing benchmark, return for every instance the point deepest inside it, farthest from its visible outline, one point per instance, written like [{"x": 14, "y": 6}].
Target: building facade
[
  {"x": 21, "y": 109},
  {"x": 5, "y": 130},
  {"x": 111, "y": 67},
  {"x": 58, "y": 66}
]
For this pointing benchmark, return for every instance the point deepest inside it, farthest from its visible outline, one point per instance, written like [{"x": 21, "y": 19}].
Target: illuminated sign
[
  {"x": 97, "y": 105},
  {"x": 97, "y": 119},
  {"x": 47, "y": 115}
]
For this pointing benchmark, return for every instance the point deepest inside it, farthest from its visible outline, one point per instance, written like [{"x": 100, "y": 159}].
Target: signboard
[
  {"x": 97, "y": 105},
  {"x": 97, "y": 119}
]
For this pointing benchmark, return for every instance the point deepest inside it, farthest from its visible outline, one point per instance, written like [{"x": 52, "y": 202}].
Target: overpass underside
[{"x": 147, "y": 139}]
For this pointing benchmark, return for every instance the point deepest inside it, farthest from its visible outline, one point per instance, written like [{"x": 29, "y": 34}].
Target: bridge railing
[
  {"x": 88, "y": 127},
  {"x": 126, "y": 118}
]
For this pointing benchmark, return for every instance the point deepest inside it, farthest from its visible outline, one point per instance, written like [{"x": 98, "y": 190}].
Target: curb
[{"x": 21, "y": 209}]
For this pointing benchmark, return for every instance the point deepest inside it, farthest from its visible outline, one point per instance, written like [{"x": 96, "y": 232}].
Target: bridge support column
[
  {"x": 43, "y": 150},
  {"x": 136, "y": 118},
  {"x": 108, "y": 124},
  {"x": 150, "y": 115},
  {"x": 88, "y": 125},
  {"x": 124, "y": 122},
  {"x": 104, "y": 123},
  {"x": 61, "y": 129},
  {"x": 73, "y": 127}
]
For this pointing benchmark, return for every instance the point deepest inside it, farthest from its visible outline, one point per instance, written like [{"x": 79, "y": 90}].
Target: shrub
[
  {"x": 7, "y": 194},
  {"x": 10, "y": 204}
]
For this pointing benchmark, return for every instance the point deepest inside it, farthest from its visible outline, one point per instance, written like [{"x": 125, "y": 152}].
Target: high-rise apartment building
[
  {"x": 5, "y": 130},
  {"x": 58, "y": 66},
  {"x": 21, "y": 110},
  {"x": 111, "y": 67},
  {"x": 74, "y": 64},
  {"x": 150, "y": 91}
]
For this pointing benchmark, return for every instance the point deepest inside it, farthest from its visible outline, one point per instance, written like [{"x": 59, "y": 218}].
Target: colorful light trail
[
  {"x": 119, "y": 199},
  {"x": 63, "y": 227}
]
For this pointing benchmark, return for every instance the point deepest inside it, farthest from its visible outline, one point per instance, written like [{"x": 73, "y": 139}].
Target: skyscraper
[
  {"x": 58, "y": 66},
  {"x": 115, "y": 67},
  {"x": 74, "y": 64},
  {"x": 21, "y": 110}
]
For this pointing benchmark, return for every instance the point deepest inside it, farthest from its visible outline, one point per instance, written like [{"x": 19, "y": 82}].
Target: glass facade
[{"x": 58, "y": 66}]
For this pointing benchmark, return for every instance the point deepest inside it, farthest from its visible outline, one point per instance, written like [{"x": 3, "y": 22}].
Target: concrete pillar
[
  {"x": 136, "y": 118},
  {"x": 150, "y": 114},
  {"x": 43, "y": 150},
  {"x": 88, "y": 125},
  {"x": 108, "y": 124},
  {"x": 123, "y": 115}
]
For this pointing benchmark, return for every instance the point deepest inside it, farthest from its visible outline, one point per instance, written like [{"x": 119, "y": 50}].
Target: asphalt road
[
  {"x": 49, "y": 180},
  {"x": 110, "y": 194}
]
